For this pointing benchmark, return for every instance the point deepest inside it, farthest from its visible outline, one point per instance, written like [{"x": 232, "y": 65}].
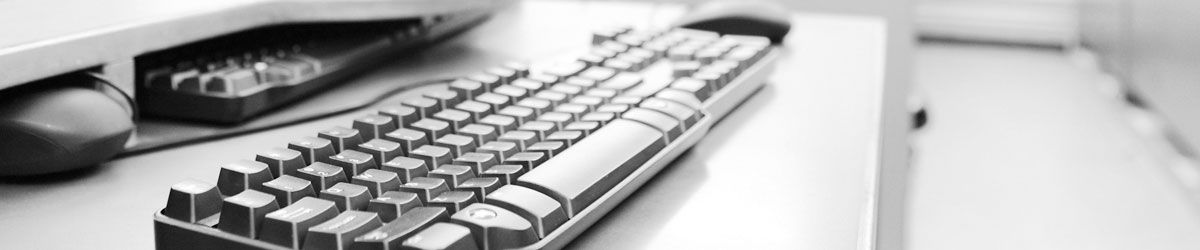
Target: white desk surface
[{"x": 792, "y": 168}]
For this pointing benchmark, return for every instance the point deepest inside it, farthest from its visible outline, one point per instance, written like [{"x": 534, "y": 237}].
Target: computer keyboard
[{"x": 517, "y": 156}]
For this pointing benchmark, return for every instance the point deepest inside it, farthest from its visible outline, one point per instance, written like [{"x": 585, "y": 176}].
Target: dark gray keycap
[
  {"x": 683, "y": 114},
  {"x": 281, "y": 161},
  {"x": 550, "y": 148},
  {"x": 192, "y": 201},
  {"x": 457, "y": 144},
  {"x": 456, "y": 118},
  {"x": 338, "y": 233},
  {"x": 313, "y": 148},
  {"x": 288, "y": 189},
  {"x": 409, "y": 139},
  {"x": 434, "y": 156},
  {"x": 374, "y": 126},
  {"x": 478, "y": 110},
  {"x": 495, "y": 227},
  {"x": 529, "y": 160},
  {"x": 353, "y": 162},
  {"x": 453, "y": 200},
  {"x": 393, "y": 203},
  {"x": 442, "y": 236},
  {"x": 497, "y": 101},
  {"x": 467, "y": 87},
  {"x": 521, "y": 114},
  {"x": 381, "y": 150},
  {"x": 543, "y": 212},
  {"x": 489, "y": 81},
  {"x": 667, "y": 124},
  {"x": 377, "y": 181},
  {"x": 401, "y": 115},
  {"x": 406, "y": 168},
  {"x": 347, "y": 196},
  {"x": 392, "y": 234},
  {"x": 622, "y": 81},
  {"x": 538, "y": 105},
  {"x": 576, "y": 178},
  {"x": 568, "y": 136},
  {"x": 477, "y": 161},
  {"x": 481, "y": 186},
  {"x": 502, "y": 123},
  {"x": 446, "y": 98},
  {"x": 479, "y": 133},
  {"x": 342, "y": 138},
  {"x": 425, "y": 187},
  {"x": 242, "y": 214},
  {"x": 241, "y": 175},
  {"x": 288, "y": 226},
  {"x": 680, "y": 96},
  {"x": 559, "y": 119},
  {"x": 540, "y": 128},
  {"x": 519, "y": 137},
  {"x": 453, "y": 174},
  {"x": 500, "y": 149},
  {"x": 432, "y": 128},
  {"x": 322, "y": 175},
  {"x": 425, "y": 106},
  {"x": 583, "y": 126},
  {"x": 506, "y": 173}
]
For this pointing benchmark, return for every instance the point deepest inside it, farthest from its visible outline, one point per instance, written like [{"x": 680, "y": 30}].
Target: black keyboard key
[
  {"x": 322, "y": 175},
  {"x": 432, "y": 128},
  {"x": 502, "y": 123},
  {"x": 377, "y": 181},
  {"x": 242, "y": 214},
  {"x": 241, "y": 175},
  {"x": 342, "y": 138},
  {"x": 288, "y": 189},
  {"x": 667, "y": 124},
  {"x": 409, "y": 139},
  {"x": 545, "y": 213},
  {"x": 406, "y": 168},
  {"x": 393, "y": 203},
  {"x": 506, "y": 173},
  {"x": 425, "y": 107},
  {"x": 373, "y": 126},
  {"x": 434, "y": 156},
  {"x": 442, "y": 236},
  {"x": 281, "y": 161},
  {"x": 353, "y": 162},
  {"x": 425, "y": 187},
  {"x": 477, "y": 161},
  {"x": 479, "y": 133},
  {"x": 401, "y": 115},
  {"x": 381, "y": 150},
  {"x": 313, "y": 148},
  {"x": 455, "y": 118},
  {"x": 347, "y": 196},
  {"x": 453, "y": 200},
  {"x": 550, "y": 148},
  {"x": 453, "y": 174},
  {"x": 481, "y": 186},
  {"x": 338, "y": 233},
  {"x": 457, "y": 144},
  {"x": 392, "y": 234},
  {"x": 529, "y": 160},
  {"x": 192, "y": 201},
  {"x": 576, "y": 178},
  {"x": 495, "y": 227},
  {"x": 501, "y": 149},
  {"x": 288, "y": 226}
]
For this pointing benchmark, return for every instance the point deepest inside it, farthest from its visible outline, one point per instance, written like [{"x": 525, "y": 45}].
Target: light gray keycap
[
  {"x": 543, "y": 212},
  {"x": 442, "y": 236},
  {"x": 667, "y": 124},
  {"x": 685, "y": 115}
]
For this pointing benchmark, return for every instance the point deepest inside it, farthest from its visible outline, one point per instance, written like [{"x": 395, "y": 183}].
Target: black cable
[
  {"x": 302, "y": 119},
  {"x": 128, "y": 98}
]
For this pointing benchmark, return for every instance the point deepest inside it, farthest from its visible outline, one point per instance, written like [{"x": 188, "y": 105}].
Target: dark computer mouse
[
  {"x": 48, "y": 130},
  {"x": 756, "y": 18}
]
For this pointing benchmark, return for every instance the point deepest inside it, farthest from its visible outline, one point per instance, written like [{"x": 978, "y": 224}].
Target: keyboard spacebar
[{"x": 587, "y": 170}]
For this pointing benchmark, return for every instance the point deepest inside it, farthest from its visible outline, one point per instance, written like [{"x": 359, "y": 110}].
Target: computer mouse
[
  {"x": 48, "y": 130},
  {"x": 756, "y": 18}
]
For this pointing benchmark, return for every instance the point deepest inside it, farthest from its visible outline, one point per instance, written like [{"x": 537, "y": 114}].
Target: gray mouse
[{"x": 59, "y": 128}]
